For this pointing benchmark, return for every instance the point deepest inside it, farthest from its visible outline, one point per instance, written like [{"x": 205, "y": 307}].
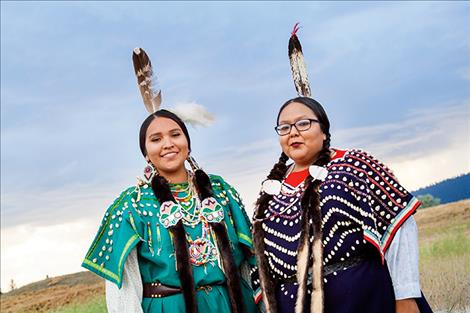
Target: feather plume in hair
[
  {"x": 148, "y": 85},
  {"x": 193, "y": 113},
  {"x": 297, "y": 63}
]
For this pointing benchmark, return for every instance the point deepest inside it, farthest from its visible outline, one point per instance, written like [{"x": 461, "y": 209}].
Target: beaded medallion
[
  {"x": 170, "y": 213},
  {"x": 192, "y": 212},
  {"x": 212, "y": 211},
  {"x": 201, "y": 249}
]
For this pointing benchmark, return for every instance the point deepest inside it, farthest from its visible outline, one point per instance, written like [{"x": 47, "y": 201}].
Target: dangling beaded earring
[{"x": 149, "y": 173}]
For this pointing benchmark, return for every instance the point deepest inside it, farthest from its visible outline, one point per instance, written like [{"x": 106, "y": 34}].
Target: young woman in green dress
[{"x": 179, "y": 239}]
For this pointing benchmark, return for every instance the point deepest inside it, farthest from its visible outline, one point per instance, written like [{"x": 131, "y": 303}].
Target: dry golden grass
[
  {"x": 53, "y": 293},
  {"x": 445, "y": 255}
]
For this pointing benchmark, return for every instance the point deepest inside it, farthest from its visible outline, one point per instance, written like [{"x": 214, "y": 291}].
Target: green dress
[{"x": 133, "y": 220}]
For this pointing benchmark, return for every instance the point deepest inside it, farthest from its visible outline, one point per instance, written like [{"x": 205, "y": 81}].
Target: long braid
[
  {"x": 277, "y": 173},
  {"x": 232, "y": 273},
  {"x": 162, "y": 191}
]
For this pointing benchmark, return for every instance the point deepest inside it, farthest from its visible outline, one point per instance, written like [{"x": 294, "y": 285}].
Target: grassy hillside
[
  {"x": 444, "y": 235},
  {"x": 48, "y": 295}
]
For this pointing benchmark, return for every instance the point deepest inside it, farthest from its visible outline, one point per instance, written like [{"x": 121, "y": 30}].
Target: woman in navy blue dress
[{"x": 333, "y": 231}]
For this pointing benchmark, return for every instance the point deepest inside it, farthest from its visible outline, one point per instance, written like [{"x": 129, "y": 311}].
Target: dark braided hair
[
  {"x": 280, "y": 168},
  {"x": 161, "y": 189}
]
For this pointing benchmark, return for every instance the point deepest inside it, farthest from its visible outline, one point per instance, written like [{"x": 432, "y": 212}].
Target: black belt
[
  {"x": 329, "y": 269},
  {"x": 350, "y": 262},
  {"x": 159, "y": 290}
]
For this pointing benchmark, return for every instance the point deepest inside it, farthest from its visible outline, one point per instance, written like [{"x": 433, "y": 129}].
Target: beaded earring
[{"x": 149, "y": 173}]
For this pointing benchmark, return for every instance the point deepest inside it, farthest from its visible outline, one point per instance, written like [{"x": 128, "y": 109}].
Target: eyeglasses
[{"x": 301, "y": 125}]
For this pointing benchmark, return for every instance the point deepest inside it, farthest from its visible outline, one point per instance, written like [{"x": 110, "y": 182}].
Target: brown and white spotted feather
[{"x": 147, "y": 82}]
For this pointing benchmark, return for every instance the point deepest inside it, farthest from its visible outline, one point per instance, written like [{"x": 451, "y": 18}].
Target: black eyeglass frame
[{"x": 311, "y": 120}]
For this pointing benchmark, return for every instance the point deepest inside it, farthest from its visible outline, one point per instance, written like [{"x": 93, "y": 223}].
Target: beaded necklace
[{"x": 201, "y": 250}]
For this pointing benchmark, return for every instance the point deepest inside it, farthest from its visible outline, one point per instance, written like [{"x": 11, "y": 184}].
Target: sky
[{"x": 394, "y": 78}]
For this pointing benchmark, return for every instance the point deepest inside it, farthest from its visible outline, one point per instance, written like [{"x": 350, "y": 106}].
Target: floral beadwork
[
  {"x": 211, "y": 210},
  {"x": 170, "y": 213}
]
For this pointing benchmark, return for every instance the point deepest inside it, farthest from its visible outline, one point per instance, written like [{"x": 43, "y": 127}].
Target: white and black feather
[{"x": 298, "y": 67}]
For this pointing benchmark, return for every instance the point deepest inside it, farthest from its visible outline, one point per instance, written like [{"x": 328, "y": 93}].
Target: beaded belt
[
  {"x": 327, "y": 270},
  {"x": 350, "y": 262},
  {"x": 159, "y": 290}
]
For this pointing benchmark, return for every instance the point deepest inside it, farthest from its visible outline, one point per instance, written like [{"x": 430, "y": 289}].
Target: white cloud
[
  {"x": 422, "y": 171},
  {"x": 29, "y": 253},
  {"x": 437, "y": 138}
]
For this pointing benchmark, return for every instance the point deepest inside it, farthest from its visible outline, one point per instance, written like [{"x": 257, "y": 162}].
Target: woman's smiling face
[
  {"x": 166, "y": 145},
  {"x": 302, "y": 147}
]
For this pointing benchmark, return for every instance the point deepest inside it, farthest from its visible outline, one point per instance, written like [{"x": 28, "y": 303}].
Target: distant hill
[
  {"x": 70, "y": 280},
  {"x": 449, "y": 190},
  {"x": 50, "y": 294}
]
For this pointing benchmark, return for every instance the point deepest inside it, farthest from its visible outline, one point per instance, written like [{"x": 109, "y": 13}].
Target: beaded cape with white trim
[{"x": 361, "y": 204}]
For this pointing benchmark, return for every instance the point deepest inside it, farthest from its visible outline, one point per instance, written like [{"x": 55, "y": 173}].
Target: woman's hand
[{"x": 406, "y": 306}]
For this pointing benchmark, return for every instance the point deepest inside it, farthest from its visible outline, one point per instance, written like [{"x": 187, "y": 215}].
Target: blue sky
[{"x": 394, "y": 78}]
